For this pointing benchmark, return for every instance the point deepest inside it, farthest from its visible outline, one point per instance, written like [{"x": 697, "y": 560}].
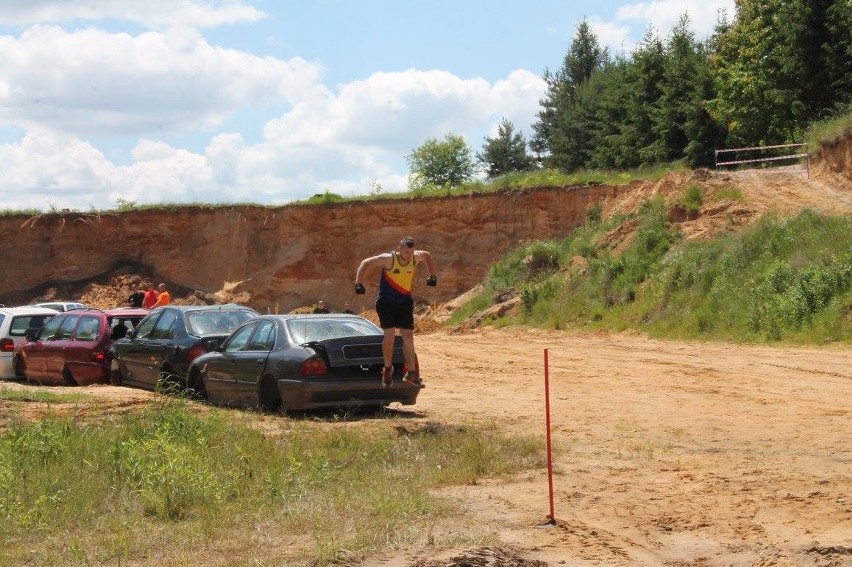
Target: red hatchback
[{"x": 73, "y": 347}]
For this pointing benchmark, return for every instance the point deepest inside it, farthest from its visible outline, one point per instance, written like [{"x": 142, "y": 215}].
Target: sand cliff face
[{"x": 288, "y": 256}]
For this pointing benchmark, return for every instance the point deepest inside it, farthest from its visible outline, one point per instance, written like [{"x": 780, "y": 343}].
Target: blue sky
[{"x": 182, "y": 101}]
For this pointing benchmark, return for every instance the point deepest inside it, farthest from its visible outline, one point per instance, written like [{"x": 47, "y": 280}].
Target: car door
[
  {"x": 80, "y": 355},
  {"x": 250, "y": 363},
  {"x": 56, "y": 349},
  {"x": 160, "y": 346},
  {"x": 131, "y": 355},
  {"x": 220, "y": 371},
  {"x": 34, "y": 352}
]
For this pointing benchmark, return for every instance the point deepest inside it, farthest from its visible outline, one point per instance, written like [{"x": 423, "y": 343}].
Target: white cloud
[
  {"x": 664, "y": 14},
  {"x": 92, "y": 81},
  {"x": 343, "y": 142},
  {"x": 150, "y": 13}
]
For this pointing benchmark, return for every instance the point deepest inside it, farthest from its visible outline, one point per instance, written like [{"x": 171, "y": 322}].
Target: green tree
[
  {"x": 781, "y": 64},
  {"x": 505, "y": 153},
  {"x": 440, "y": 163},
  {"x": 646, "y": 79},
  {"x": 561, "y": 134}
]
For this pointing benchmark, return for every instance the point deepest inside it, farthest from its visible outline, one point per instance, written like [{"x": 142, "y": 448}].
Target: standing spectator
[
  {"x": 163, "y": 297},
  {"x": 150, "y": 297},
  {"x": 321, "y": 308},
  {"x": 347, "y": 309},
  {"x": 137, "y": 298}
]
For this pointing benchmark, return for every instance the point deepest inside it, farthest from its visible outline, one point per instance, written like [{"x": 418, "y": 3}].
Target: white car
[
  {"x": 62, "y": 306},
  {"x": 14, "y": 324}
]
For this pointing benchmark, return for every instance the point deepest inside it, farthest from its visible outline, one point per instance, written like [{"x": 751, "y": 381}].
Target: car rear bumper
[
  {"x": 324, "y": 393},
  {"x": 7, "y": 366}
]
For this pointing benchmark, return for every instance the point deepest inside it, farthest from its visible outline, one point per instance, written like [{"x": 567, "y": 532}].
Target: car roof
[
  {"x": 288, "y": 316},
  {"x": 127, "y": 312},
  {"x": 28, "y": 310},
  {"x": 205, "y": 307}
]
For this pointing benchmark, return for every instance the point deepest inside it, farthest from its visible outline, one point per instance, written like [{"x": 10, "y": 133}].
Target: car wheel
[
  {"x": 18, "y": 367},
  {"x": 268, "y": 395},
  {"x": 69, "y": 379},
  {"x": 169, "y": 383},
  {"x": 195, "y": 383},
  {"x": 115, "y": 377}
]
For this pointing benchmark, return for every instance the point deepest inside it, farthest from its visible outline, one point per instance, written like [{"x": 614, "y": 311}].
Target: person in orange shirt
[
  {"x": 394, "y": 305},
  {"x": 164, "y": 298}
]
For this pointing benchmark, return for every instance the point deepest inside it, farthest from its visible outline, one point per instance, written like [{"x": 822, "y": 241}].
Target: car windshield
[
  {"x": 308, "y": 329},
  {"x": 216, "y": 322}
]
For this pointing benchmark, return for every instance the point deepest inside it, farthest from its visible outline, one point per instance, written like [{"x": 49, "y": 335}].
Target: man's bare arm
[{"x": 369, "y": 263}]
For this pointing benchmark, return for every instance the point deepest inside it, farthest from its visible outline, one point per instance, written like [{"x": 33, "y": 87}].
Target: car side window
[
  {"x": 89, "y": 328},
  {"x": 145, "y": 327},
  {"x": 263, "y": 338},
  {"x": 165, "y": 325},
  {"x": 66, "y": 329},
  {"x": 49, "y": 330},
  {"x": 240, "y": 338},
  {"x": 22, "y": 324}
]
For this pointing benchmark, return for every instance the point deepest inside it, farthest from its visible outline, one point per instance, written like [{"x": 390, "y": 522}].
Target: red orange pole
[{"x": 552, "y": 516}]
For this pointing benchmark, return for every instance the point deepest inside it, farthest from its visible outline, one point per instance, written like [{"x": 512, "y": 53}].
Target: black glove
[
  {"x": 359, "y": 289},
  {"x": 432, "y": 281}
]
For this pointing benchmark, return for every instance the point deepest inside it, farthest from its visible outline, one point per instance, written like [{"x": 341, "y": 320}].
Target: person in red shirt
[{"x": 150, "y": 297}]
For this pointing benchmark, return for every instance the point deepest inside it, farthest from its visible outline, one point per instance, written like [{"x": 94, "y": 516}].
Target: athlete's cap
[{"x": 407, "y": 241}]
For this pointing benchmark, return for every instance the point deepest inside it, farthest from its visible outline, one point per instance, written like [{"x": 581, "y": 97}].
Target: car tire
[
  {"x": 67, "y": 377},
  {"x": 268, "y": 396},
  {"x": 18, "y": 368},
  {"x": 115, "y": 377},
  {"x": 195, "y": 383},
  {"x": 169, "y": 383}
]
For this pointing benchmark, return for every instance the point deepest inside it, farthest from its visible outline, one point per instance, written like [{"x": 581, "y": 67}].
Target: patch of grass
[
  {"x": 731, "y": 193},
  {"x": 40, "y": 396},
  {"x": 829, "y": 131},
  {"x": 171, "y": 479},
  {"x": 783, "y": 279},
  {"x": 693, "y": 198}
]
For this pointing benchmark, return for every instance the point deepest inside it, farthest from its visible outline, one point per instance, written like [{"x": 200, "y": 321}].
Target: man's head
[
  {"x": 321, "y": 304},
  {"x": 162, "y": 287},
  {"x": 406, "y": 248}
]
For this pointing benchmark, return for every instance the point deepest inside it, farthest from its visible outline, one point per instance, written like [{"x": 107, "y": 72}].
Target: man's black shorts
[{"x": 395, "y": 315}]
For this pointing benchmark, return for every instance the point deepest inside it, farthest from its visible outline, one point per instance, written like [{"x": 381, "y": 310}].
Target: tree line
[{"x": 760, "y": 79}]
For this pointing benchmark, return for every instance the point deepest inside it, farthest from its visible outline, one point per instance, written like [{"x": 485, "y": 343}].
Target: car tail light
[
  {"x": 195, "y": 352},
  {"x": 98, "y": 357},
  {"x": 314, "y": 367},
  {"x": 7, "y": 345}
]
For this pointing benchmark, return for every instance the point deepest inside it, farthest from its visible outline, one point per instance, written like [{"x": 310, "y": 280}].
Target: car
[
  {"x": 166, "y": 341},
  {"x": 63, "y": 306},
  {"x": 73, "y": 347},
  {"x": 301, "y": 362},
  {"x": 15, "y": 323}
]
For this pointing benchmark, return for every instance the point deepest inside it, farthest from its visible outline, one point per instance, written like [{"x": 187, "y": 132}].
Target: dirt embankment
[{"x": 278, "y": 259}]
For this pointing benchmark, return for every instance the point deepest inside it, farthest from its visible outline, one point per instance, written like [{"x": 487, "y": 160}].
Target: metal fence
[{"x": 760, "y": 151}]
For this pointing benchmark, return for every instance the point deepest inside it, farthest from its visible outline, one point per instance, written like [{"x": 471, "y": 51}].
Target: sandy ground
[{"x": 664, "y": 453}]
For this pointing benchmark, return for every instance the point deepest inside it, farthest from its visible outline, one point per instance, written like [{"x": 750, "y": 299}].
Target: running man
[{"x": 394, "y": 305}]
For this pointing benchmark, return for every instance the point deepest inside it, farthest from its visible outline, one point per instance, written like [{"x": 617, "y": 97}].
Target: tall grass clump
[
  {"x": 165, "y": 478},
  {"x": 781, "y": 279}
]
